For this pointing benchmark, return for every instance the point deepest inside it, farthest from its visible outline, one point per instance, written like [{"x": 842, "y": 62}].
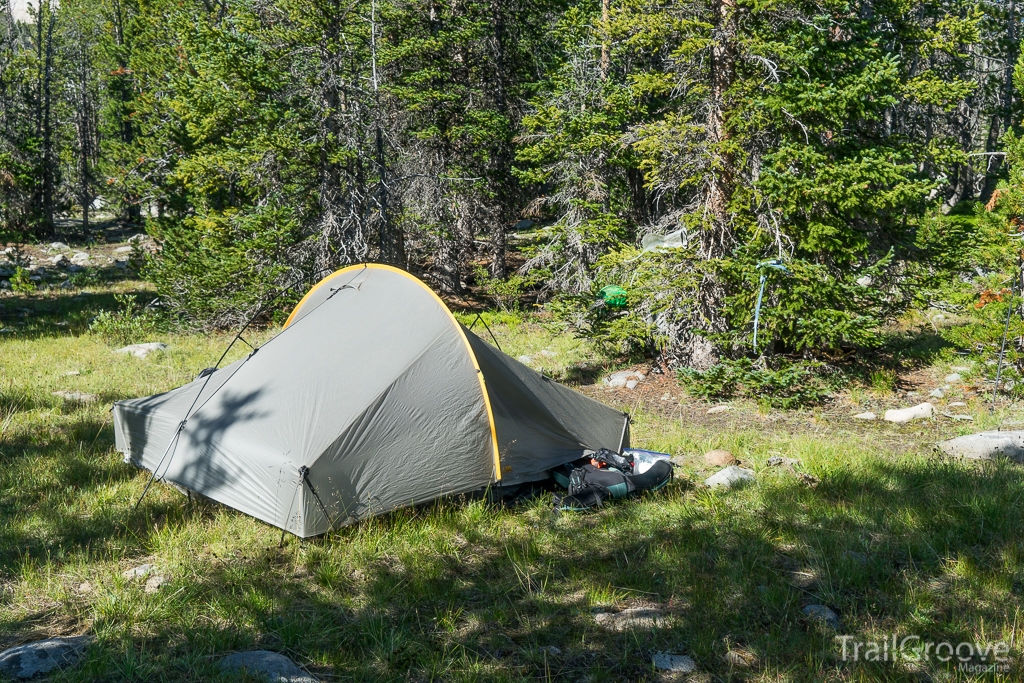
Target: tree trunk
[{"x": 695, "y": 350}]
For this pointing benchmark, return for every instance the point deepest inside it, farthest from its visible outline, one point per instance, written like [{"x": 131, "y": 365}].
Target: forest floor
[{"x": 870, "y": 522}]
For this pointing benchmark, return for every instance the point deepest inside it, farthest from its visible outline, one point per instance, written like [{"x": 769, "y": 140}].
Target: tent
[{"x": 372, "y": 397}]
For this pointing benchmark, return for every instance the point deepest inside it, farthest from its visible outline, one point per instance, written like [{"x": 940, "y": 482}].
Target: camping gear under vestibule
[{"x": 372, "y": 397}]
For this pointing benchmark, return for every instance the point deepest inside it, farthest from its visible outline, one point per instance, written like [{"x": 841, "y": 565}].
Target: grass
[{"x": 888, "y": 535}]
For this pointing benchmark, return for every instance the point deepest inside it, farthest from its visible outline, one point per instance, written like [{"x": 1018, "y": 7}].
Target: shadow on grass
[{"x": 912, "y": 546}]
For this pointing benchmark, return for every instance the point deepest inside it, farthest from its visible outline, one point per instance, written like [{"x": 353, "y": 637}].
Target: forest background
[{"x": 823, "y": 166}]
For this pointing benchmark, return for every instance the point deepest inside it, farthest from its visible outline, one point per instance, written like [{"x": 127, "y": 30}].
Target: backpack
[{"x": 588, "y": 485}]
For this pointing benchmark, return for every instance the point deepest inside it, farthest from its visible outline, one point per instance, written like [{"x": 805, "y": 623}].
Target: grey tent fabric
[{"x": 371, "y": 398}]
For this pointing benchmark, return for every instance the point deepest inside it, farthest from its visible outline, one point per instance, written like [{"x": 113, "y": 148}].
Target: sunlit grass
[{"x": 895, "y": 542}]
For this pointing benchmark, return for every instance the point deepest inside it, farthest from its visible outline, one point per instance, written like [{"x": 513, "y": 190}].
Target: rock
[
  {"x": 548, "y": 354},
  {"x": 551, "y": 650},
  {"x": 623, "y": 377},
  {"x": 65, "y": 285},
  {"x": 952, "y": 379},
  {"x": 139, "y": 572},
  {"x": 57, "y": 246},
  {"x": 525, "y": 360},
  {"x": 80, "y": 258},
  {"x": 730, "y": 477},
  {"x": 85, "y": 587},
  {"x": 936, "y": 393},
  {"x": 632, "y": 618},
  {"x": 72, "y": 373},
  {"x": 77, "y": 396},
  {"x": 33, "y": 659},
  {"x": 4, "y": 284},
  {"x": 822, "y": 615},
  {"x": 124, "y": 250},
  {"x": 35, "y": 278},
  {"x": 720, "y": 458},
  {"x": 142, "y": 350},
  {"x": 865, "y": 416},
  {"x": 719, "y": 409},
  {"x": 122, "y": 265},
  {"x": 631, "y": 384},
  {"x": 778, "y": 460},
  {"x": 60, "y": 261},
  {"x": 740, "y": 659},
  {"x": 905, "y": 415},
  {"x": 138, "y": 237},
  {"x": 986, "y": 446},
  {"x": 961, "y": 368},
  {"x": 524, "y": 224},
  {"x": 155, "y": 583},
  {"x": 74, "y": 268},
  {"x": 864, "y": 281},
  {"x": 675, "y": 663},
  {"x": 273, "y": 666}
]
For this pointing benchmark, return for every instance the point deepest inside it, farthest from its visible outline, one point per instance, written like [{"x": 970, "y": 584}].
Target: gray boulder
[
  {"x": 142, "y": 350},
  {"x": 730, "y": 477},
  {"x": 986, "y": 446},
  {"x": 623, "y": 378},
  {"x": 822, "y": 615},
  {"x": 675, "y": 663},
  {"x": 632, "y": 618},
  {"x": 33, "y": 659},
  {"x": 272, "y": 666}
]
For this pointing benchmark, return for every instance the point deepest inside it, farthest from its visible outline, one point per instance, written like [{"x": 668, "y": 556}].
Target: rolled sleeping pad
[{"x": 590, "y": 486}]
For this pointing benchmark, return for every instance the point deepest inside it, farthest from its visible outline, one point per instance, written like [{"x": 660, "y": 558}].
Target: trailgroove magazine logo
[{"x": 974, "y": 658}]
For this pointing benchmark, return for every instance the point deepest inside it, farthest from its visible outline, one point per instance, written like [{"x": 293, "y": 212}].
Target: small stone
[
  {"x": 77, "y": 396},
  {"x": 142, "y": 350},
  {"x": 85, "y": 587},
  {"x": 72, "y": 373},
  {"x": 548, "y": 354},
  {"x": 81, "y": 259},
  {"x": 740, "y": 660},
  {"x": 905, "y": 415},
  {"x": 273, "y": 666},
  {"x": 719, "y": 409},
  {"x": 124, "y": 250},
  {"x": 632, "y": 618},
  {"x": 623, "y": 377},
  {"x": 730, "y": 477},
  {"x": 674, "y": 663},
  {"x": 551, "y": 650},
  {"x": 952, "y": 379},
  {"x": 936, "y": 393},
  {"x": 65, "y": 285},
  {"x": 822, "y": 615},
  {"x": 666, "y": 397},
  {"x": 75, "y": 268},
  {"x": 138, "y": 237},
  {"x": 43, "y": 656},
  {"x": 57, "y": 246},
  {"x": 525, "y": 360},
  {"x": 60, "y": 261},
  {"x": 865, "y": 416},
  {"x": 778, "y": 460},
  {"x": 155, "y": 583},
  {"x": 631, "y": 384},
  {"x": 957, "y": 404},
  {"x": 139, "y": 572},
  {"x": 864, "y": 281},
  {"x": 720, "y": 458}
]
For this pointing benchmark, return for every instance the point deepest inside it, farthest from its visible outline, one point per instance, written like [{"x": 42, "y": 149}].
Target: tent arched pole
[{"x": 455, "y": 323}]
